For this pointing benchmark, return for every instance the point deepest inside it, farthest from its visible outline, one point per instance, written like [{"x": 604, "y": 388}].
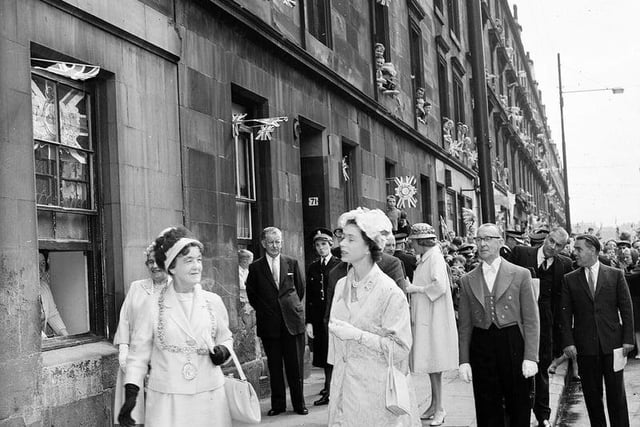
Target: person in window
[
  {"x": 369, "y": 320},
  {"x": 245, "y": 257},
  {"x": 52, "y": 323},
  {"x": 183, "y": 334},
  {"x": 139, "y": 292}
]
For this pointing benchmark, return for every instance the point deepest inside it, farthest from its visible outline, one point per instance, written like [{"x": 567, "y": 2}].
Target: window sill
[
  {"x": 439, "y": 15},
  {"x": 454, "y": 39},
  {"x": 55, "y": 343}
]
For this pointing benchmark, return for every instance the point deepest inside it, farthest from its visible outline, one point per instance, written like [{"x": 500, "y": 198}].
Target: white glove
[
  {"x": 310, "y": 330},
  {"x": 414, "y": 289},
  {"x": 464, "y": 370},
  {"x": 123, "y": 352},
  {"x": 344, "y": 330},
  {"x": 529, "y": 368}
]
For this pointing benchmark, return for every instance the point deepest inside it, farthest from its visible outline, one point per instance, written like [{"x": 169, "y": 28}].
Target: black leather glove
[
  {"x": 130, "y": 396},
  {"x": 219, "y": 355}
]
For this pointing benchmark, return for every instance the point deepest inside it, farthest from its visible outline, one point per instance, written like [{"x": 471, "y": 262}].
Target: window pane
[
  {"x": 45, "y": 225},
  {"x": 44, "y": 112},
  {"x": 46, "y": 175},
  {"x": 71, "y": 226},
  {"x": 74, "y": 186},
  {"x": 74, "y": 165},
  {"x": 74, "y": 126},
  {"x": 243, "y": 216},
  {"x": 68, "y": 293}
]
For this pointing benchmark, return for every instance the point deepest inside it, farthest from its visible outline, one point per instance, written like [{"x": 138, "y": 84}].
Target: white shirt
[
  {"x": 274, "y": 264},
  {"x": 595, "y": 269},
  {"x": 541, "y": 258},
  {"x": 325, "y": 260},
  {"x": 490, "y": 271}
]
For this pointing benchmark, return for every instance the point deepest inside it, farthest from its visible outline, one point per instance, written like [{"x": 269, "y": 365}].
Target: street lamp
[{"x": 615, "y": 91}]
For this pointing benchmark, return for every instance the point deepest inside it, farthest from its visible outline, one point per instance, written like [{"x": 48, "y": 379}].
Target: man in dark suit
[
  {"x": 596, "y": 319},
  {"x": 549, "y": 268},
  {"x": 408, "y": 260},
  {"x": 316, "y": 304},
  {"x": 275, "y": 291},
  {"x": 499, "y": 329}
]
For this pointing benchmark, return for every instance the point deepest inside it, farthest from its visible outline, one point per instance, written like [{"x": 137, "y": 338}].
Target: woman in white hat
[
  {"x": 369, "y": 321},
  {"x": 435, "y": 337},
  {"x": 183, "y": 334},
  {"x": 138, "y": 293}
]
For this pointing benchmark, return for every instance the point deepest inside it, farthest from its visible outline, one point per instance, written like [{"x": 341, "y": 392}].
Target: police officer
[{"x": 317, "y": 280}]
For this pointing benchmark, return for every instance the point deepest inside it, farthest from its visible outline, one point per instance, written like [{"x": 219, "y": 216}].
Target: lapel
[
  {"x": 477, "y": 283},
  {"x": 284, "y": 269},
  {"x": 503, "y": 278},
  {"x": 532, "y": 256},
  {"x": 176, "y": 313},
  {"x": 266, "y": 271},
  {"x": 601, "y": 280},
  {"x": 582, "y": 280}
]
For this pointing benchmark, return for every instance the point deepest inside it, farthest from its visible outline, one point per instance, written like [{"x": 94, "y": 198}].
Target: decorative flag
[
  {"x": 71, "y": 70},
  {"x": 406, "y": 191}
]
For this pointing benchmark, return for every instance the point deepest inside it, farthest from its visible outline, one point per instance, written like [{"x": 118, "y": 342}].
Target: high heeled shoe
[
  {"x": 438, "y": 418},
  {"x": 428, "y": 414}
]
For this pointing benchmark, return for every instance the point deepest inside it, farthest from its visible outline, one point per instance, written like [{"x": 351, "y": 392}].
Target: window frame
[
  {"x": 91, "y": 246},
  {"x": 322, "y": 8},
  {"x": 250, "y": 199}
]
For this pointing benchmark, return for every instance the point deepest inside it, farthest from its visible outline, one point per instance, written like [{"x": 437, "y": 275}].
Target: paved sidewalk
[{"x": 458, "y": 401}]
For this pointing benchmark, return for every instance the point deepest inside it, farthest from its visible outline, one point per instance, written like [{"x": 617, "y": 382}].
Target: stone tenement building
[{"x": 228, "y": 116}]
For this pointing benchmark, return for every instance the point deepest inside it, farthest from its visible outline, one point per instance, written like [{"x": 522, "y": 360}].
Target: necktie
[
  {"x": 591, "y": 281},
  {"x": 324, "y": 262},
  {"x": 544, "y": 265},
  {"x": 274, "y": 270}
]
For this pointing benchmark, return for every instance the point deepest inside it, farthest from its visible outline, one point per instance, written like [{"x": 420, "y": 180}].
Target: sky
[{"x": 598, "y": 43}]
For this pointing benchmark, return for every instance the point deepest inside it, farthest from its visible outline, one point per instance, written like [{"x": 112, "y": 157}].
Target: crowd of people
[{"x": 386, "y": 300}]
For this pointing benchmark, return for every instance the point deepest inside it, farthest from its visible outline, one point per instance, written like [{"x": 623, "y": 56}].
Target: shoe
[
  {"x": 544, "y": 423},
  {"x": 323, "y": 392},
  {"x": 428, "y": 415},
  {"x": 324, "y": 400},
  {"x": 273, "y": 412},
  {"x": 301, "y": 411},
  {"x": 438, "y": 418}
]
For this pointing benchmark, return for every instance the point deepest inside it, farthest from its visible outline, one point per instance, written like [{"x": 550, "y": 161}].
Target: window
[
  {"x": 389, "y": 175},
  {"x": 452, "y": 217},
  {"x": 425, "y": 191},
  {"x": 443, "y": 89},
  {"x": 66, "y": 203},
  {"x": 245, "y": 180},
  {"x": 349, "y": 175},
  {"x": 319, "y": 20},
  {"x": 458, "y": 100},
  {"x": 454, "y": 18},
  {"x": 381, "y": 28},
  {"x": 415, "y": 47},
  {"x": 438, "y": 4}
]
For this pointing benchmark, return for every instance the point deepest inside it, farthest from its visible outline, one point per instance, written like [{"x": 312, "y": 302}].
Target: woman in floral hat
[
  {"x": 369, "y": 320},
  {"x": 435, "y": 337}
]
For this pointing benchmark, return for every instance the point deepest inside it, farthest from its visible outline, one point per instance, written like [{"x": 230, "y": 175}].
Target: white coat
[{"x": 168, "y": 341}]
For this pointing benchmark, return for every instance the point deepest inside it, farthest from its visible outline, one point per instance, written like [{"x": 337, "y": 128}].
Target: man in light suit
[
  {"x": 596, "y": 319},
  {"x": 275, "y": 291},
  {"x": 499, "y": 331},
  {"x": 549, "y": 267}
]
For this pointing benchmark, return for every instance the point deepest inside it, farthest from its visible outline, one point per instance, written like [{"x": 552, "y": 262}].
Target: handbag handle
[{"x": 236, "y": 362}]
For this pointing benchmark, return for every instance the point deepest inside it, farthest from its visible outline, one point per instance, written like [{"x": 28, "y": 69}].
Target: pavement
[
  {"x": 458, "y": 401},
  {"x": 574, "y": 411}
]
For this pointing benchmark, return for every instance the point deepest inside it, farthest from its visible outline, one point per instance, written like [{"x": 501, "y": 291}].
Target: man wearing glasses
[
  {"x": 549, "y": 266},
  {"x": 499, "y": 331}
]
